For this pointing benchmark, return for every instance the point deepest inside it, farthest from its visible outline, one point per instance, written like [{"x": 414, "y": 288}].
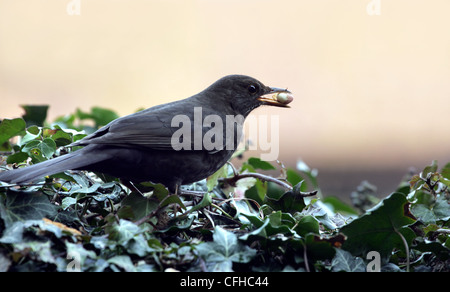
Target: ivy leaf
[
  {"x": 225, "y": 249},
  {"x": 60, "y": 137},
  {"x": 100, "y": 116},
  {"x": 124, "y": 262},
  {"x": 140, "y": 206},
  {"x": 22, "y": 206},
  {"x": 212, "y": 180},
  {"x": 430, "y": 210},
  {"x": 260, "y": 228},
  {"x": 40, "y": 150},
  {"x": 206, "y": 201},
  {"x": 446, "y": 171},
  {"x": 17, "y": 157},
  {"x": 41, "y": 250},
  {"x": 123, "y": 231},
  {"x": 10, "y": 128},
  {"x": 307, "y": 224},
  {"x": 260, "y": 164},
  {"x": 318, "y": 247},
  {"x": 280, "y": 223},
  {"x": 35, "y": 114},
  {"x": 178, "y": 224},
  {"x": 441, "y": 251},
  {"x": 338, "y": 205},
  {"x": 430, "y": 169},
  {"x": 378, "y": 229},
  {"x": 161, "y": 193},
  {"x": 344, "y": 261},
  {"x": 290, "y": 201},
  {"x": 67, "y": 202},
  {"x": 294, "y": 178},
  {"x": 14, "y": 233},
  {"x": 32, "y": 133},
  {"x": 130, "y": 236}
]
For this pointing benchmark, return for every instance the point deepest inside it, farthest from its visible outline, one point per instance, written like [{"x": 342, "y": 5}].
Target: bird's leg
[{"x": 175, "y": 188}]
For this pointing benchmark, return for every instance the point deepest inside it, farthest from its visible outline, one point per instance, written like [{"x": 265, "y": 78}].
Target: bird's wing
[
  {"x": 147, "y": 131},
  {"x": 152, "y": 129}
]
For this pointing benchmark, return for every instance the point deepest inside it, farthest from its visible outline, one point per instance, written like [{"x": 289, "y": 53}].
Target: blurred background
[{"x": 371, "y": 79}]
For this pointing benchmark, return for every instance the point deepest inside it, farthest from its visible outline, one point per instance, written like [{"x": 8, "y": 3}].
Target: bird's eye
[{"x": 252, "y": 89}]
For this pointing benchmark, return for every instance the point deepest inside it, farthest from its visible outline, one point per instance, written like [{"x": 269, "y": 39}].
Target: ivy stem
[
  {"x": 406, "y": 248},
  {"x": 305, "y": 258}
]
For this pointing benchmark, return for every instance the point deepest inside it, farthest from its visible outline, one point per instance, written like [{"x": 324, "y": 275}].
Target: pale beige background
[{"x": 372, "y": 92}]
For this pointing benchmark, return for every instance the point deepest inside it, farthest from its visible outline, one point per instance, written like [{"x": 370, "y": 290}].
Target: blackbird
[{"x": 145, "y": 146}]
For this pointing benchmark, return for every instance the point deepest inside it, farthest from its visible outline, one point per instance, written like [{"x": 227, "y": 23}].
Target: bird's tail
[{"x": 74, "y": 160}]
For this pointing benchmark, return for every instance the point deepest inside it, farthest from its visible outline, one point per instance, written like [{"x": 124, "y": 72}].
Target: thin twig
[
  {"x": 221, "y": 210},
  {"x": 234, "y": 179},
  {"x": 305, "y": 258},
  {"x": 198, "y": 194},
  {"x": 209, "y": 218},
  {"x": 406, "y": 248},
  {"x": 235, "y": 172}
]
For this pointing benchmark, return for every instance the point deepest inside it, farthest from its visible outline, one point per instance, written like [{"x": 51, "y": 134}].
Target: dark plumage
[{"x": 139, "y": 147}]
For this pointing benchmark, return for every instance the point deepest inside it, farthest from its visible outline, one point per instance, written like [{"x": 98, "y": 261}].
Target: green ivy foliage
[{"x": 236, "y": 220}]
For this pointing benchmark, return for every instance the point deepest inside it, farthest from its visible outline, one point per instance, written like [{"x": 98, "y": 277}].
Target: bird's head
[{"x": 244, "y": 94}]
